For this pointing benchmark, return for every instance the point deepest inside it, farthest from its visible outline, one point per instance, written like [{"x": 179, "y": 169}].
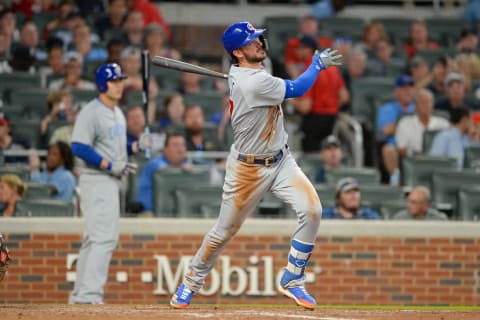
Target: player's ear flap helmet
[
  {"x": 107, "y": 72},
  {"x": 240, "y": 34}
]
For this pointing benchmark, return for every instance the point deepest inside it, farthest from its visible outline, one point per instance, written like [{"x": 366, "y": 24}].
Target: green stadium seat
[
  {"x": 472, "y": 158},
  {"x": 342, "y": 26},
  {"x": 41, "y": 19},
  {"x": 27, "y": 129},
  {"x": 20, "y": 170},
  {"x": 432, "y": 55},
  {"x": 17, "y": 80},
  {"x": 210, "y": 210},
  {"x": 417, "y": 170},
  {"x": 44, "y": 208},
  {"x": 447, "y": 183},
  {"x": 428, "y": 136},
  {"x": 166, "y": 181},
  {"x": 446, "y": 28},
  {"x": 83, "y": 95},
  {"x": 279, "y": 30},
  {"x": 310, "y": 159},
  {"x": 167, "y": 79},
  {"x": 33, "y": 100},
  {"x": 37, "y": 190},
  {"x": 363, "y": 175},
  {"x": 469, "y": 204},
  {"x": 326, "y": 193},
  {"x": 189, "y": 199},
  {"x": 389, "y": 208},
  {"x": 14, "y": 112},
  {"x": 373, "y": 196},
  {"x": 210, "y": 102},
  {"x": 395, "y": 27}
]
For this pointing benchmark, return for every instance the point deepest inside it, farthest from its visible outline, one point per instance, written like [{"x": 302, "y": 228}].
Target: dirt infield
[{"x": 161, "y": 312}]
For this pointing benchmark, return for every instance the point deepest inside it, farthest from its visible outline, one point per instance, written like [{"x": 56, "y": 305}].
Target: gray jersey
[
  {"x": 103, "y": 129},
  {"x": 257, "y": 117}
]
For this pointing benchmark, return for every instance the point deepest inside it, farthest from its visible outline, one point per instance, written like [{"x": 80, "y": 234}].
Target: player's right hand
[
  {"x": 121, "y": 168},
  {"x": 327, "y": 58}
]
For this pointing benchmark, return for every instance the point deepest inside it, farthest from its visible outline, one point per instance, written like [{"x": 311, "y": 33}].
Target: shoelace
[{"x": 185, "y": 293}]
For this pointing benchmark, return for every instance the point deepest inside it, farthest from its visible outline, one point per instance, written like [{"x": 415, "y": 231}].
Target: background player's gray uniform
[
  {"x": 257, "y": 122},
  {"x": 103, "y": 129}
]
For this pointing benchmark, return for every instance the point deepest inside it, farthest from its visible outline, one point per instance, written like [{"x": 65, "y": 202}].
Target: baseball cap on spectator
[
  {"x": 404, "y": 80},
  {"x": 347, "y": 184},
  {"x": 329, "y": 141},
  {"x": 308, "y": 41},
  {"x": 451, "y": 77},
  {"x": 4, "y": 122},
  {"x": 72, "y": 55}
]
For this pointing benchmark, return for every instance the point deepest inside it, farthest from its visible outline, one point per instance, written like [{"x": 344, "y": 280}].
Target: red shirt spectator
[
  {"x": 324, "y": 92},
  {"x": 151, "y": 14}
]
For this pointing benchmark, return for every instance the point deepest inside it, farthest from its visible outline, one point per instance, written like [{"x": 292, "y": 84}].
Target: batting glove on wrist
[
  {"x": 145, "y": 141},
  {"x": 121, "y": 168},
  {"x": 327, "y": 58}
]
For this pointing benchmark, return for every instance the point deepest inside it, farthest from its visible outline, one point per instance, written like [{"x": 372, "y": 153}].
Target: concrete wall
[{"x": 354, "y": 262}]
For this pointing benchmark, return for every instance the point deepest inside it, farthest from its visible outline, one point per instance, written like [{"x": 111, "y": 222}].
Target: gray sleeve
[
  {"x": 266, "y": 90},
  {"x": 84, "y": 128}
]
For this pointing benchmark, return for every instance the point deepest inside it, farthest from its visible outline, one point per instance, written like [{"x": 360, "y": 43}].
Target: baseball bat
[
  {"x": 145, "y": 94},
  {"x": 168, "y": 63}
]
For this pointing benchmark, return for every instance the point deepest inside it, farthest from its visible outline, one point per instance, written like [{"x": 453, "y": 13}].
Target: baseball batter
[
  {"x": 100, "y": 140},
  {"x": 259, "y": 161}
]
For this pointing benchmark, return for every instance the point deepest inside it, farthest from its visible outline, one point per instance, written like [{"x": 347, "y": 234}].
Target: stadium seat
[
  {"x": 326, "y": 193},
  {"x": 167, "y": 180},
  {"x": 41, "y": 19},
  {"x": 189, "y": 199},
  {"x": 210, "y": 102},
  {"x": 447, "y": 28},
  {"x": 363, "y": 175},
  {"x": 44, "y": 208},
  {"x": 210, "y": 210},
  {"x": 36, "y": 190},
  {"x": 279, "y": 30},
  {"x": 417, "y": 170},
  {"x": 167, "y": 79},
  {"x": 342, "y": 27},
  {"x": 373, "y": 196},
  {"x": 389, "y": 208},
  {"x": 432, "y": 55},
  {"x": 472, "y": 158},
  {"x": 83, "y": 95},
  {"x": 469, "y": 204},
  {"x": 20, "y": 170},
  {"x": 17, "y": 80},
  {"x": 27, "y": 129},
  {"x": 396, "y": 28},
  {"x": 33, "y": 100},
  {"x": 447, "y": 183},
  {"x": 133, "y": 98},
  {"x": 428, "y": 136}
]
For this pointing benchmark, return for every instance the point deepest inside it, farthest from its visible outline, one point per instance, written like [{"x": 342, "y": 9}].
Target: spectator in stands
[
  {"x": 74, "y": 18},
  {"x": 410, "y": 129},
  {"x": 90, "y": 7},
  {"x": 174, "y": 109},
  {"x": 4, "y": 54},
  {"x": 131, "y": 63},
  {"x": 455, "y": 94},
  {"x": 331, "y": 155},
  {"x": 467, "y": 41},
  {"x": 115, "y": 47},
  {"x": 22, "y": 60},
  {"x": 471, "y": 12},
  {"x": 174, "y": 156},
  {"x": 59, "y": 107},
  {"x": 372, "y": 33},
  {"x": 29, "y": 38},
  {"x": 418, "y": 207},
  {"x": 8, "y": 25},
  {"x": 440, "y": 69},
  {"x": 387, "y": 117},
  {"x": 453, "y": 141},
  {"x": 8, "y": 142},
  {"x": 113, "y": 20},
  {"x": 136, "y": 123},
  {"x": 64, "y": 133},
  {"x": 355, "y": 68},
  {"x": 55, "y": 68},
  {"x": 30, "y": 8},
  {"x": 307, "y": 25},
  {"x": 155, "y": 40},
  {"x": 12, "y": 189},
  {"x": 133, "y": 29},
  {"x": 320, "y": 105},
  {"x": 383, "y": 58},
  {"x": 327, "y": 8},
  {"x": 59, "y": 171},
  {"x": 151, "y": 14},
  {"x": 196, "y": 137},
  {"x": 348, "y": 203},
  {"x": 82, "y": 43},
  {"x": 61, "y": 20},
  {"x": 420, "y": 73},
  {"x": 190, "y": 82},
  {"x": 73, "y": 63},
  {"x": 419, "y": 39},
  {"x": 343, "y": 45}
]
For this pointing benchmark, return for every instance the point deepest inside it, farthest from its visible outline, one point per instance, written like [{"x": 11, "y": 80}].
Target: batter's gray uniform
[
  {"x": 103, "y": 129},
  {"x": 257, "y": 122}
]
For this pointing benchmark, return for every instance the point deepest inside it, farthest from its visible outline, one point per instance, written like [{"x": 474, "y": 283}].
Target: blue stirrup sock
[{"x": 298, "y": 257}]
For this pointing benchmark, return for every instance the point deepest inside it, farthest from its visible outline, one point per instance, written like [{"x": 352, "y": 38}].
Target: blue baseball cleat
[
  {"x": 181, "y": 298},
  {"x": 291, "y": 287}
]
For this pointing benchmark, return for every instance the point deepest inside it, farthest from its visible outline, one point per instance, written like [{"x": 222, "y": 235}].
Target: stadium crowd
[{"x": 427, "y": 108}]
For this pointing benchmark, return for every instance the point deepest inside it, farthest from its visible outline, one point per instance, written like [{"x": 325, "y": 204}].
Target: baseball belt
[{"x": 266, "y": 161}]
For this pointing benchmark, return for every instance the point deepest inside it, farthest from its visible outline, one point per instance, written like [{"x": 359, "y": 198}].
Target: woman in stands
[{"x": 12, "y": 189}]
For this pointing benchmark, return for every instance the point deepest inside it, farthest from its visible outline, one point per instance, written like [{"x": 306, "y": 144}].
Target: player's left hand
[
  {"x": 327, "y": 58},
  {"x": 145, "y": 141}
]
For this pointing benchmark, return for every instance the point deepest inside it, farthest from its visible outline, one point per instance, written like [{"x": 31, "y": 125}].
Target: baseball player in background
[
  {"x": 100, "y": 140},
  {"x": 259, "y": 161}
]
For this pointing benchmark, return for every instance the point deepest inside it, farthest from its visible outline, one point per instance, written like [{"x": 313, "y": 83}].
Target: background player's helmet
[
  {"x": 240, "y": 34},
  {"x": 107, "y": 72}
]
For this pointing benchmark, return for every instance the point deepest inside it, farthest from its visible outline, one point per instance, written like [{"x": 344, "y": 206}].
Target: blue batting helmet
[
  {"x": 107, "y": 72},
  {"x": 240, "y": 34}
]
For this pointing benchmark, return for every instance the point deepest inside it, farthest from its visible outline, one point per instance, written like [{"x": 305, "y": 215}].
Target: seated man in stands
[
  {"x": 8, "y": 142},
  {"x": 174, "y": 156},
  {"x": 12, "y": 189},
  {"x": 455, "y": 94},
  {"x": 418, "y": 207},
  {"x": 136, "y": 123},
  {"x": 331, "y": 155},
  {"x": 348, "y": 203}
]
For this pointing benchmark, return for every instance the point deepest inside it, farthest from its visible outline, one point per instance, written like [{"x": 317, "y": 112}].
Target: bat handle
[{"x": 148, "y": 151}]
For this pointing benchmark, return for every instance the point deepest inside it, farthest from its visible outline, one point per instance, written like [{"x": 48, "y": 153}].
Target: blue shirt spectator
[
  {"x": 362, "y": 213},
  {"x": 174, "y": 155}
]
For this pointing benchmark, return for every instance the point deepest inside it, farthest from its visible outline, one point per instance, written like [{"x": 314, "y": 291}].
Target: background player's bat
[
  {"x": 163, "y": 62},
  {"x": 145, "y": 94}
]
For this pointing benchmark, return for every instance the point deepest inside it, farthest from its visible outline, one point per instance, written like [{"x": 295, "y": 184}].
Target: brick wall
[{"x": 367, "y": 270}]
